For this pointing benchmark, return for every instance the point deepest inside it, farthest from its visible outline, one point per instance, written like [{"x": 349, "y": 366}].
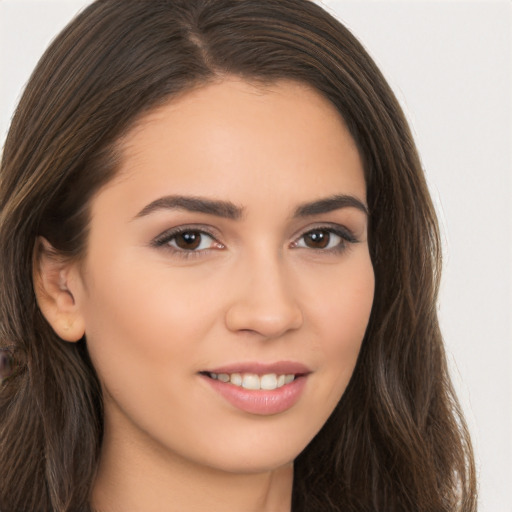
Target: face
[{"x": 227, "y": 283}]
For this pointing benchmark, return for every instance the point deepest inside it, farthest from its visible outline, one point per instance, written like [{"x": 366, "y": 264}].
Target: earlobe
[{"x": 57, "y": 289}]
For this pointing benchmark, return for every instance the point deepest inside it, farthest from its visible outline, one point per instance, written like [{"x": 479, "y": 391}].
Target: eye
[
  {"x": 325, "y": 238},
  {"x": 319, "y": 239},
  {"x": 187, "y": 240},
  {"x": 191, "y": 241}
]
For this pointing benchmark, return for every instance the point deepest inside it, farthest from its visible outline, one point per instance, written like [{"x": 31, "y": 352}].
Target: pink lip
[
  {"x": 261, "y": 402},
  {"x": 280, "y": 368}
]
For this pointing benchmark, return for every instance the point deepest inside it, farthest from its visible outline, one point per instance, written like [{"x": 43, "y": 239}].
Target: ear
[{"x": 58, "y": 286}]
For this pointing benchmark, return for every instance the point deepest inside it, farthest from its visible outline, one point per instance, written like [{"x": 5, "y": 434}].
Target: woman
[{"x": 219, "y": 271}]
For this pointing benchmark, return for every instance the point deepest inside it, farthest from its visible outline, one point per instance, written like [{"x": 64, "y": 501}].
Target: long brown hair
[{"x": 397, "y": 440}]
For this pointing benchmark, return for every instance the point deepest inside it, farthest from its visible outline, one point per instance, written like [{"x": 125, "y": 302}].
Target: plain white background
[{"x": 450, "y": 64}]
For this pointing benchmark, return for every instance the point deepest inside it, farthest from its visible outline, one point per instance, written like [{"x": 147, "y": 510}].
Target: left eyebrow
[
  {"x": 223, "y": 209},
  {"x": 330, "y": 204}
]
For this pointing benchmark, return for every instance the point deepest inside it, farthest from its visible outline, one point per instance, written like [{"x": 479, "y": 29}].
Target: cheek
[
  {"x": 140, "y": 320},
  {"x": 134, "y": 294},
  {"x": 342, "y": 301},
  {"x": 342, "y": 318},
  {"x": 145, "y": 342}
]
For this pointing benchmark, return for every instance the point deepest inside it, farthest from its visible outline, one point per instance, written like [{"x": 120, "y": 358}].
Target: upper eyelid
[
  {"x": 169, "y": 233},
  {"x": 327, "y": 226}
]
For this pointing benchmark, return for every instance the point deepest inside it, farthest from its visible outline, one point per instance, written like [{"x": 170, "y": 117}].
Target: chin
[{"x": 250, "y": 456}]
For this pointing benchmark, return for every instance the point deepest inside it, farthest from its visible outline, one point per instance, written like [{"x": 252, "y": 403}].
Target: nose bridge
[{"x": 264, "y": 300}]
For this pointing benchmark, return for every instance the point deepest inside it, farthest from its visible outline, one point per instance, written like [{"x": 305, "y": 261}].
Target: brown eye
[
  {"x": 327, "y": 239},
  {"x": 188, "y": 240},
  {"x": 318, "y": 239}
]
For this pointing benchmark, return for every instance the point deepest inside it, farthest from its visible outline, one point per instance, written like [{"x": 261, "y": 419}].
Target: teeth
[
  {"x": 251, "y": 381},
  {"x": 236, "y": 379},
  {"x": 268, "y": 381}
]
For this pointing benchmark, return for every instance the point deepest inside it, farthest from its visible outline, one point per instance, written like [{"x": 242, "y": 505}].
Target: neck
[{"x": 132, "y": 477}]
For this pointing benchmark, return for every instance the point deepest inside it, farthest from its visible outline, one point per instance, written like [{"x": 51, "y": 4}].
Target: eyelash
[
  {"x": 345, "y": 235},
  {"x": 164, "y": 240}
]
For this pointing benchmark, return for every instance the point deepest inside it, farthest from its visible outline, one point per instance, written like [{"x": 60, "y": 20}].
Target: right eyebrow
[
  {"x": 224, "y": 209},
  {"x": 330, "y": 204}
]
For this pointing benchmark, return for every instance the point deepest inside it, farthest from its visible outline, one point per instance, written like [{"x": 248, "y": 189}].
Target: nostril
[{"x": 259, "y": 321}]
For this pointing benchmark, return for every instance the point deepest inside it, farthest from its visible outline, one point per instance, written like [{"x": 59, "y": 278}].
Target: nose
[{"x": 264, "y": 301}]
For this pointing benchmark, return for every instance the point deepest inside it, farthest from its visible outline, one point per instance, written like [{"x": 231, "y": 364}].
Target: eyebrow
[
  {"x": 229, "y": 210},
  {"x": 218, "y": 208},
  {"x": 329, "y": 204}
]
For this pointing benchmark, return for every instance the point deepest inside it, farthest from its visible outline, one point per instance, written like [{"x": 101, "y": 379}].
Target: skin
[{"x": 257, "y": 290}]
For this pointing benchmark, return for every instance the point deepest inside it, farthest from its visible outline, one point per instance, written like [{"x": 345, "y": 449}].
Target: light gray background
[{"x": 450, "y": 64}]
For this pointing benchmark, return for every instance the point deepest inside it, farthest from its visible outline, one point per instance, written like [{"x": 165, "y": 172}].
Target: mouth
[
  {"x": 262, "y": 389},
  {"x": 253, "y": 381}
]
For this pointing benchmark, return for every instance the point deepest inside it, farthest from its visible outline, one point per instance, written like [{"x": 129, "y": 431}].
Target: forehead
[{"x": 233, "y": 138}]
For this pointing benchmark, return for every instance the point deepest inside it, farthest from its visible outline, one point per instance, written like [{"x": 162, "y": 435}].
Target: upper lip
[{"x": 278, "y": 367}]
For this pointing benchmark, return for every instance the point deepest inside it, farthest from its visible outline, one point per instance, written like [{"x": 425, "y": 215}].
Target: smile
[
  {"x": 268, "y": 381},
  {"x": 256, "y": 388}
]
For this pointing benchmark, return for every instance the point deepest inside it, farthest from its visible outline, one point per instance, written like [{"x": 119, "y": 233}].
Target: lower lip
[{"x": 263, "y": 402}]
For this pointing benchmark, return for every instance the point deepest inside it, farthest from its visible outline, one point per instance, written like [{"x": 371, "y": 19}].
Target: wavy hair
[{"x": 397, "y": 440}]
